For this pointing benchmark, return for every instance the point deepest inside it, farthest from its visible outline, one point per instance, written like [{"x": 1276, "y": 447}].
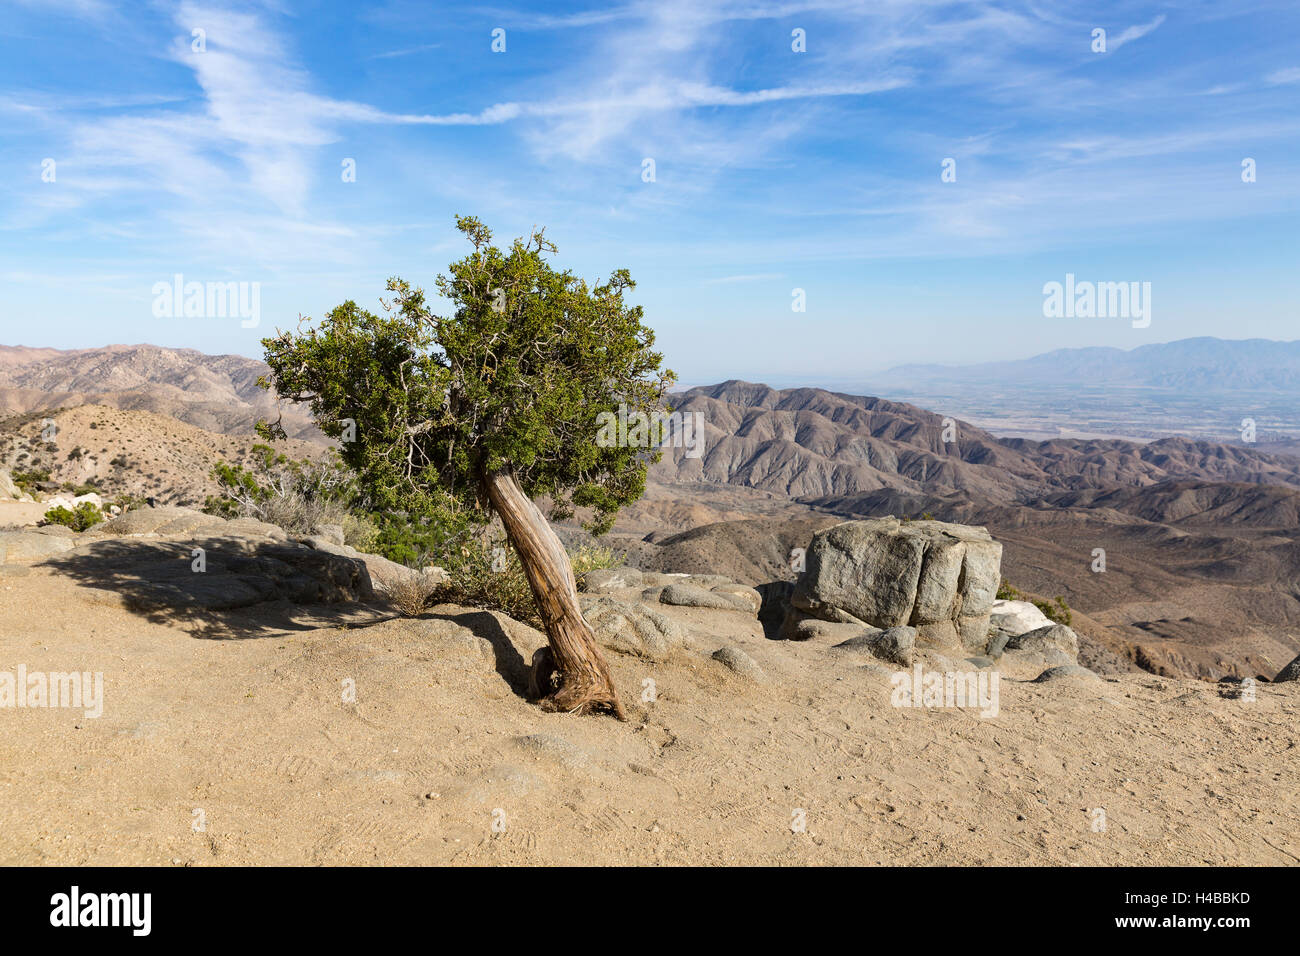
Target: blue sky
[{"x": 774, "y": 169}]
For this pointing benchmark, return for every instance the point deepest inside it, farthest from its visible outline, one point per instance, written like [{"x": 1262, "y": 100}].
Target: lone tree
[{"x": 488, "y": 408}]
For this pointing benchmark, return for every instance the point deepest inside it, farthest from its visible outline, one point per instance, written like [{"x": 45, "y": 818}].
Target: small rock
[
  {"x": 740, "y": 663},
  {"x": 1064, "y": 671},
  {"x": 895, "y": 645},
  {"x": 688, "y": 595},
  {"x": 1056, "y": 636}
]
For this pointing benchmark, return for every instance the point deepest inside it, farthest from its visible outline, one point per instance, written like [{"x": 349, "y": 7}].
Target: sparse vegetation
[
  {"x": 588, "y": 557},
  {"x": 486, "y": 572},
  {"x": 1056, "y": 609},
  {"x": 28, "y": 480},
  {"x": 85, "y": 515},
  {"x": 410, "y": 595},
  {"x": 296, "y": 495}
]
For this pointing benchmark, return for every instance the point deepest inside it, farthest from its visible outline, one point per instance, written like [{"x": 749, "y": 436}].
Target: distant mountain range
[
  {"x": 811, "y": 444},
  {"x": 1185, "y": 365}
]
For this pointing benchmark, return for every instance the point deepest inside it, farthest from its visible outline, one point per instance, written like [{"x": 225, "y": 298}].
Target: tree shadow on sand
[
  {"x": 509, "y": 663},
  {"x": 225, "y": 587},
  {"x": 252, "y": 588}
]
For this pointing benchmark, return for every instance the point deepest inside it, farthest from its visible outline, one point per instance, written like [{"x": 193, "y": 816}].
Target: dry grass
[{"x": 410, "y": 594}]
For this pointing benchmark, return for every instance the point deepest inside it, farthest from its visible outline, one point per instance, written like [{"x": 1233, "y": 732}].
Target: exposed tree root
[{"x": 571, "y": 694}]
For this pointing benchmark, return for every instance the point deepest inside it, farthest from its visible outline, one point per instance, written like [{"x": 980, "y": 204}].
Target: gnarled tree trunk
[{"x": 571, "y": 675}]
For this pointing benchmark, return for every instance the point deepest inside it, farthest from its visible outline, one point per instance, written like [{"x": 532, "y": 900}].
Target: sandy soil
[{"x": 244, "y": 751}]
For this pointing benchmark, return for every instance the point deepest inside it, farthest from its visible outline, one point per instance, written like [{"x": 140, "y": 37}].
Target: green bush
[
  {"x": 84, "y": 516},
  {"x": 1007, "y": 593},
  {"x": 588, "y": 557},
  {"x": 295, "y": 495},
  {"x": 128, "y": 502},
  {"x": 27, "y": 480},
  {"x": 360, "y": 531},
  {"x": 1057, "y": 611},
  {"x": 486, "y": 572}
]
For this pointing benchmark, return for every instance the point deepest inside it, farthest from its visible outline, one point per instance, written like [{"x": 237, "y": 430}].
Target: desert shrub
[
  {"x": 128, "y": 502},
  {"x": 1006, "y": 592},
  {"x": 295, "y": 495},
  {"x": 360, "y": 531},
  {"x": 79, "y": 519},
  {"x": 28, "y": 480},
  {"x": 411, "y": 594},
  {"x": 1056, "y": 610},
  {"x": 486, "y": 572},
  {"x": 588, "y": 557}
]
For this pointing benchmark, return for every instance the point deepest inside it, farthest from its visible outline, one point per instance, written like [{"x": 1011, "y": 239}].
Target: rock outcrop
[
  {"x": 937, "y": 577},
  {"x": 1289, "y": 673},
  {"x": 633, "y": 628}
]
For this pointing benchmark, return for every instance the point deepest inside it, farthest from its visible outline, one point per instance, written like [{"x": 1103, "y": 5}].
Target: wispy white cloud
[
  {"x": 1282, "y": 77},
  {"x": 1133, "y": 33}
]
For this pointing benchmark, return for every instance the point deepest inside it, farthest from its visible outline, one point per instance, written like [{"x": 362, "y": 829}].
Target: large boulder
[
  {"x": 938, "y": 577},
  {"x": 1017, "y": 617},
  {"x": 235, "y": 571},
  {"x": 168, "y": 520},
  {"x": 383, "y": 573},
  {"x": 1289, "y": 673}
]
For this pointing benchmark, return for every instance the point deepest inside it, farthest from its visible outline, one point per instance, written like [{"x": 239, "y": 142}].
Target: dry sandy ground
[{"x": 243, "y": 751}]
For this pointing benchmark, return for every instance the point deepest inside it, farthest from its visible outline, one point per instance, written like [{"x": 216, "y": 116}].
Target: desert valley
[{"x": 282, "y": 706}]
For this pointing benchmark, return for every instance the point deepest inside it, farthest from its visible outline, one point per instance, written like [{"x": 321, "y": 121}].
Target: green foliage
[
  {"x": 1006, "y": 592},
  {"x": 512, "y": 379},
  {"x": 296, "y": 495},
  {"x": 26, "y": 481},
  {"x": 486, "y": 572},
  {"x": 79, "y": 519},
  {"x": 432, "y": 536},
  {"x": 128, "y": 502},
  {"x": 361, "y": 531},
  {"x": 588, "y": 557},
  {"x": 1057, "y": 611}
]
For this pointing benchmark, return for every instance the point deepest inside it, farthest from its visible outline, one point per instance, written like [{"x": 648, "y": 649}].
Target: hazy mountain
[{"x": 1185, "y": 365}]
